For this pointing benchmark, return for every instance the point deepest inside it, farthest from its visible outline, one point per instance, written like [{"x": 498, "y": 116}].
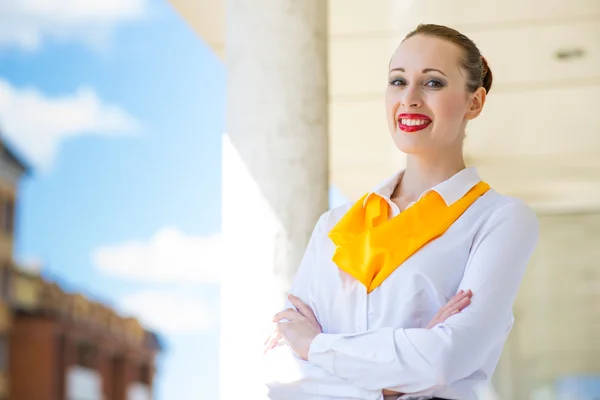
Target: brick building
[{"x": 56, "y": 345}]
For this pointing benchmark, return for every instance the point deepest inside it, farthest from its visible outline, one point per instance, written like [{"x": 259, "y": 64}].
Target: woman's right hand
[{"x": 461, "y": 300}]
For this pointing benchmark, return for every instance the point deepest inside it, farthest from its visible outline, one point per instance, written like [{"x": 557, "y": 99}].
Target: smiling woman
[
  {"x": 408, "y": 292},
  {"x": 442, "y": 73}
]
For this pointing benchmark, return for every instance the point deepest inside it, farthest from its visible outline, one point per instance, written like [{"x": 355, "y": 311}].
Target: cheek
[{"x": 450, "y": 108}]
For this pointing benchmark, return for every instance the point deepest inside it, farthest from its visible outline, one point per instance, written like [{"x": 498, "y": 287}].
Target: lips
[{"x": 413, "y": 122}]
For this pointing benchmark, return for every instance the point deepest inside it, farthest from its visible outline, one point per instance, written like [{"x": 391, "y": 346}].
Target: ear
[{"x": 477, "y": 102}]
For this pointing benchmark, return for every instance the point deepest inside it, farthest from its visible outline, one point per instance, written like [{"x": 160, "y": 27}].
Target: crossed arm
[
  {"x": 309, "y": 327},
  {"x": 422, "y": 360}
]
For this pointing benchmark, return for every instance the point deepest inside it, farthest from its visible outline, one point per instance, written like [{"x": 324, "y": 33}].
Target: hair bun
[{"x": 486, "y": 76}]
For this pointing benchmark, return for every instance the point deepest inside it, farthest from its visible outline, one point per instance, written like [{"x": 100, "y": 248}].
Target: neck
[{"x": 422, "y": 173}]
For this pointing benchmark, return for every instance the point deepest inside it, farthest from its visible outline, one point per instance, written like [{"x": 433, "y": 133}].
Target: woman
[{"x": 375, "y": 272}]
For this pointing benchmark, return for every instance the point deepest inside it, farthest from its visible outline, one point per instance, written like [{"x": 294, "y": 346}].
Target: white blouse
[{"x": 377, "y": 341}]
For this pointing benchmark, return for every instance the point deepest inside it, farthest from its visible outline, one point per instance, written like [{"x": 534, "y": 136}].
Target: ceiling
[{"x": 539, "y": 136}]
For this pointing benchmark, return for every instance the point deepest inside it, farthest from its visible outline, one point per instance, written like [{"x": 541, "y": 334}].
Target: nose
[{"x": 411, "y": 97}]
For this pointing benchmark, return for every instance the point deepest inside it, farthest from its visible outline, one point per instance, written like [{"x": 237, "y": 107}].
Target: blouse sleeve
[
  {"x": 288, "y": 376},
  {"x": 422, "y": 360}
]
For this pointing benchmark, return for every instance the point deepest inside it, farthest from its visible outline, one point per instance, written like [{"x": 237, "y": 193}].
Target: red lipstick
[{"x": 413, "y": 122}]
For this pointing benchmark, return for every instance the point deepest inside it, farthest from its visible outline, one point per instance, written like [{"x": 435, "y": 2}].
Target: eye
[
  {"x": 434, "y": 83},
  {"x": 397, "y": 82}
]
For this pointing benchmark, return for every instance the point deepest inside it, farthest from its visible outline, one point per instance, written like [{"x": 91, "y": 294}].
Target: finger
[
  {"x": 456, "y": 303},
  {"x": 302, "y": 307},
  {"x": 290, "y": 314},
  {"x": 437, "y": 318},
  {"x": 448, "y": 315},
  {"x": 463, "y": 303},
  {"x": 458, "y": 307},
  {"x": 458, "y": 297},
  {"x": 268, "y": 338},
  {"x": 272, "y": 341},
  {"x": 441, "y": 318},
  {"x": 438, "y": 315},
  {"x": 268, "y": 343}
]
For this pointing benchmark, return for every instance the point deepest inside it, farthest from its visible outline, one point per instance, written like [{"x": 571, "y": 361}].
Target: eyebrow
[{"x": 424, "y": 71}]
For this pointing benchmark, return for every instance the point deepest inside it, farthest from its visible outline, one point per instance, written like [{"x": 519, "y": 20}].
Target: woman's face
[{"x": 427, "y": 102}]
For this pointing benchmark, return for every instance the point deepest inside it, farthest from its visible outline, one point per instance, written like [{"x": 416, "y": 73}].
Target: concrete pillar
[{"x": 275, "y": 170}]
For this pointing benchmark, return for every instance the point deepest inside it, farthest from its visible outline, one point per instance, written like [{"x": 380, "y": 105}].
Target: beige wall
[
  {"x": 557, "y": 329},
  {"x": 538, "y": 136}
]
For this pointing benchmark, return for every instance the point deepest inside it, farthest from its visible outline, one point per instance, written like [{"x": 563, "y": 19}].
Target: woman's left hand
[{"x": 300, "y": 330}]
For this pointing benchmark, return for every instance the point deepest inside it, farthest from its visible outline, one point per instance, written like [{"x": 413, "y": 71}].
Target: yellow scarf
[{"x": 369, "y": 246}]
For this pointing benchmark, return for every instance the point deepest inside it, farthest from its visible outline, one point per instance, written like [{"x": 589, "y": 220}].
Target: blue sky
[
  {"x": 120, "y": 109},
  {"x": 123, "y": 123}
]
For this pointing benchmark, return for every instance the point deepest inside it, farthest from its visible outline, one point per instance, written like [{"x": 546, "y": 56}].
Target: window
[
  {"x": 9, "y": 216},
  {"x": 3, "y": 353},
  {"x": 86, "y": 355},
  {"x": 5, "y": 277},
  {"x": 145, "y": 374}
]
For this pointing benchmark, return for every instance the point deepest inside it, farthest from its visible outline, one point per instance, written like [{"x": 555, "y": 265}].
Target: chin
[
  {"x": 409, "y": 144},
  {"x": 410, "y": 150}
]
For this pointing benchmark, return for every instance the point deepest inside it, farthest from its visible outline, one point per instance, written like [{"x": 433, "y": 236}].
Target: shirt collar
[{"x": 451, "y": 190}]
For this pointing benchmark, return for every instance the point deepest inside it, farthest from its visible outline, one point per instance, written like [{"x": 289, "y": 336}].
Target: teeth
[{"x": 413, "y": 122}]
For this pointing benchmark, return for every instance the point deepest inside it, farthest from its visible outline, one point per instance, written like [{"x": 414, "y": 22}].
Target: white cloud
[
  {"x": 26, "y": 23},
  {"x": 168, "y": 257},
  {"x": 37, "y": 123},
  {"x": 168, "y": 311}
]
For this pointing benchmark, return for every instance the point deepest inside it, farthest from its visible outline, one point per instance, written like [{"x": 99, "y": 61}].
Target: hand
[
  {"x": 300, "y": 330},
  {"x": 453, "y": 306}
]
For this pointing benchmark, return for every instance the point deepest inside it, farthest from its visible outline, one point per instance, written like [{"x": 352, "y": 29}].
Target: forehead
[{"x": 421, "y": 51}]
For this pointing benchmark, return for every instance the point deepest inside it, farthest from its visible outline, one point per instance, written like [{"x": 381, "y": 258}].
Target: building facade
[
  {"x": 56, "y": 345},
  {"x": 11, "y": 170},
  {"x": 64, "y": 346}
]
